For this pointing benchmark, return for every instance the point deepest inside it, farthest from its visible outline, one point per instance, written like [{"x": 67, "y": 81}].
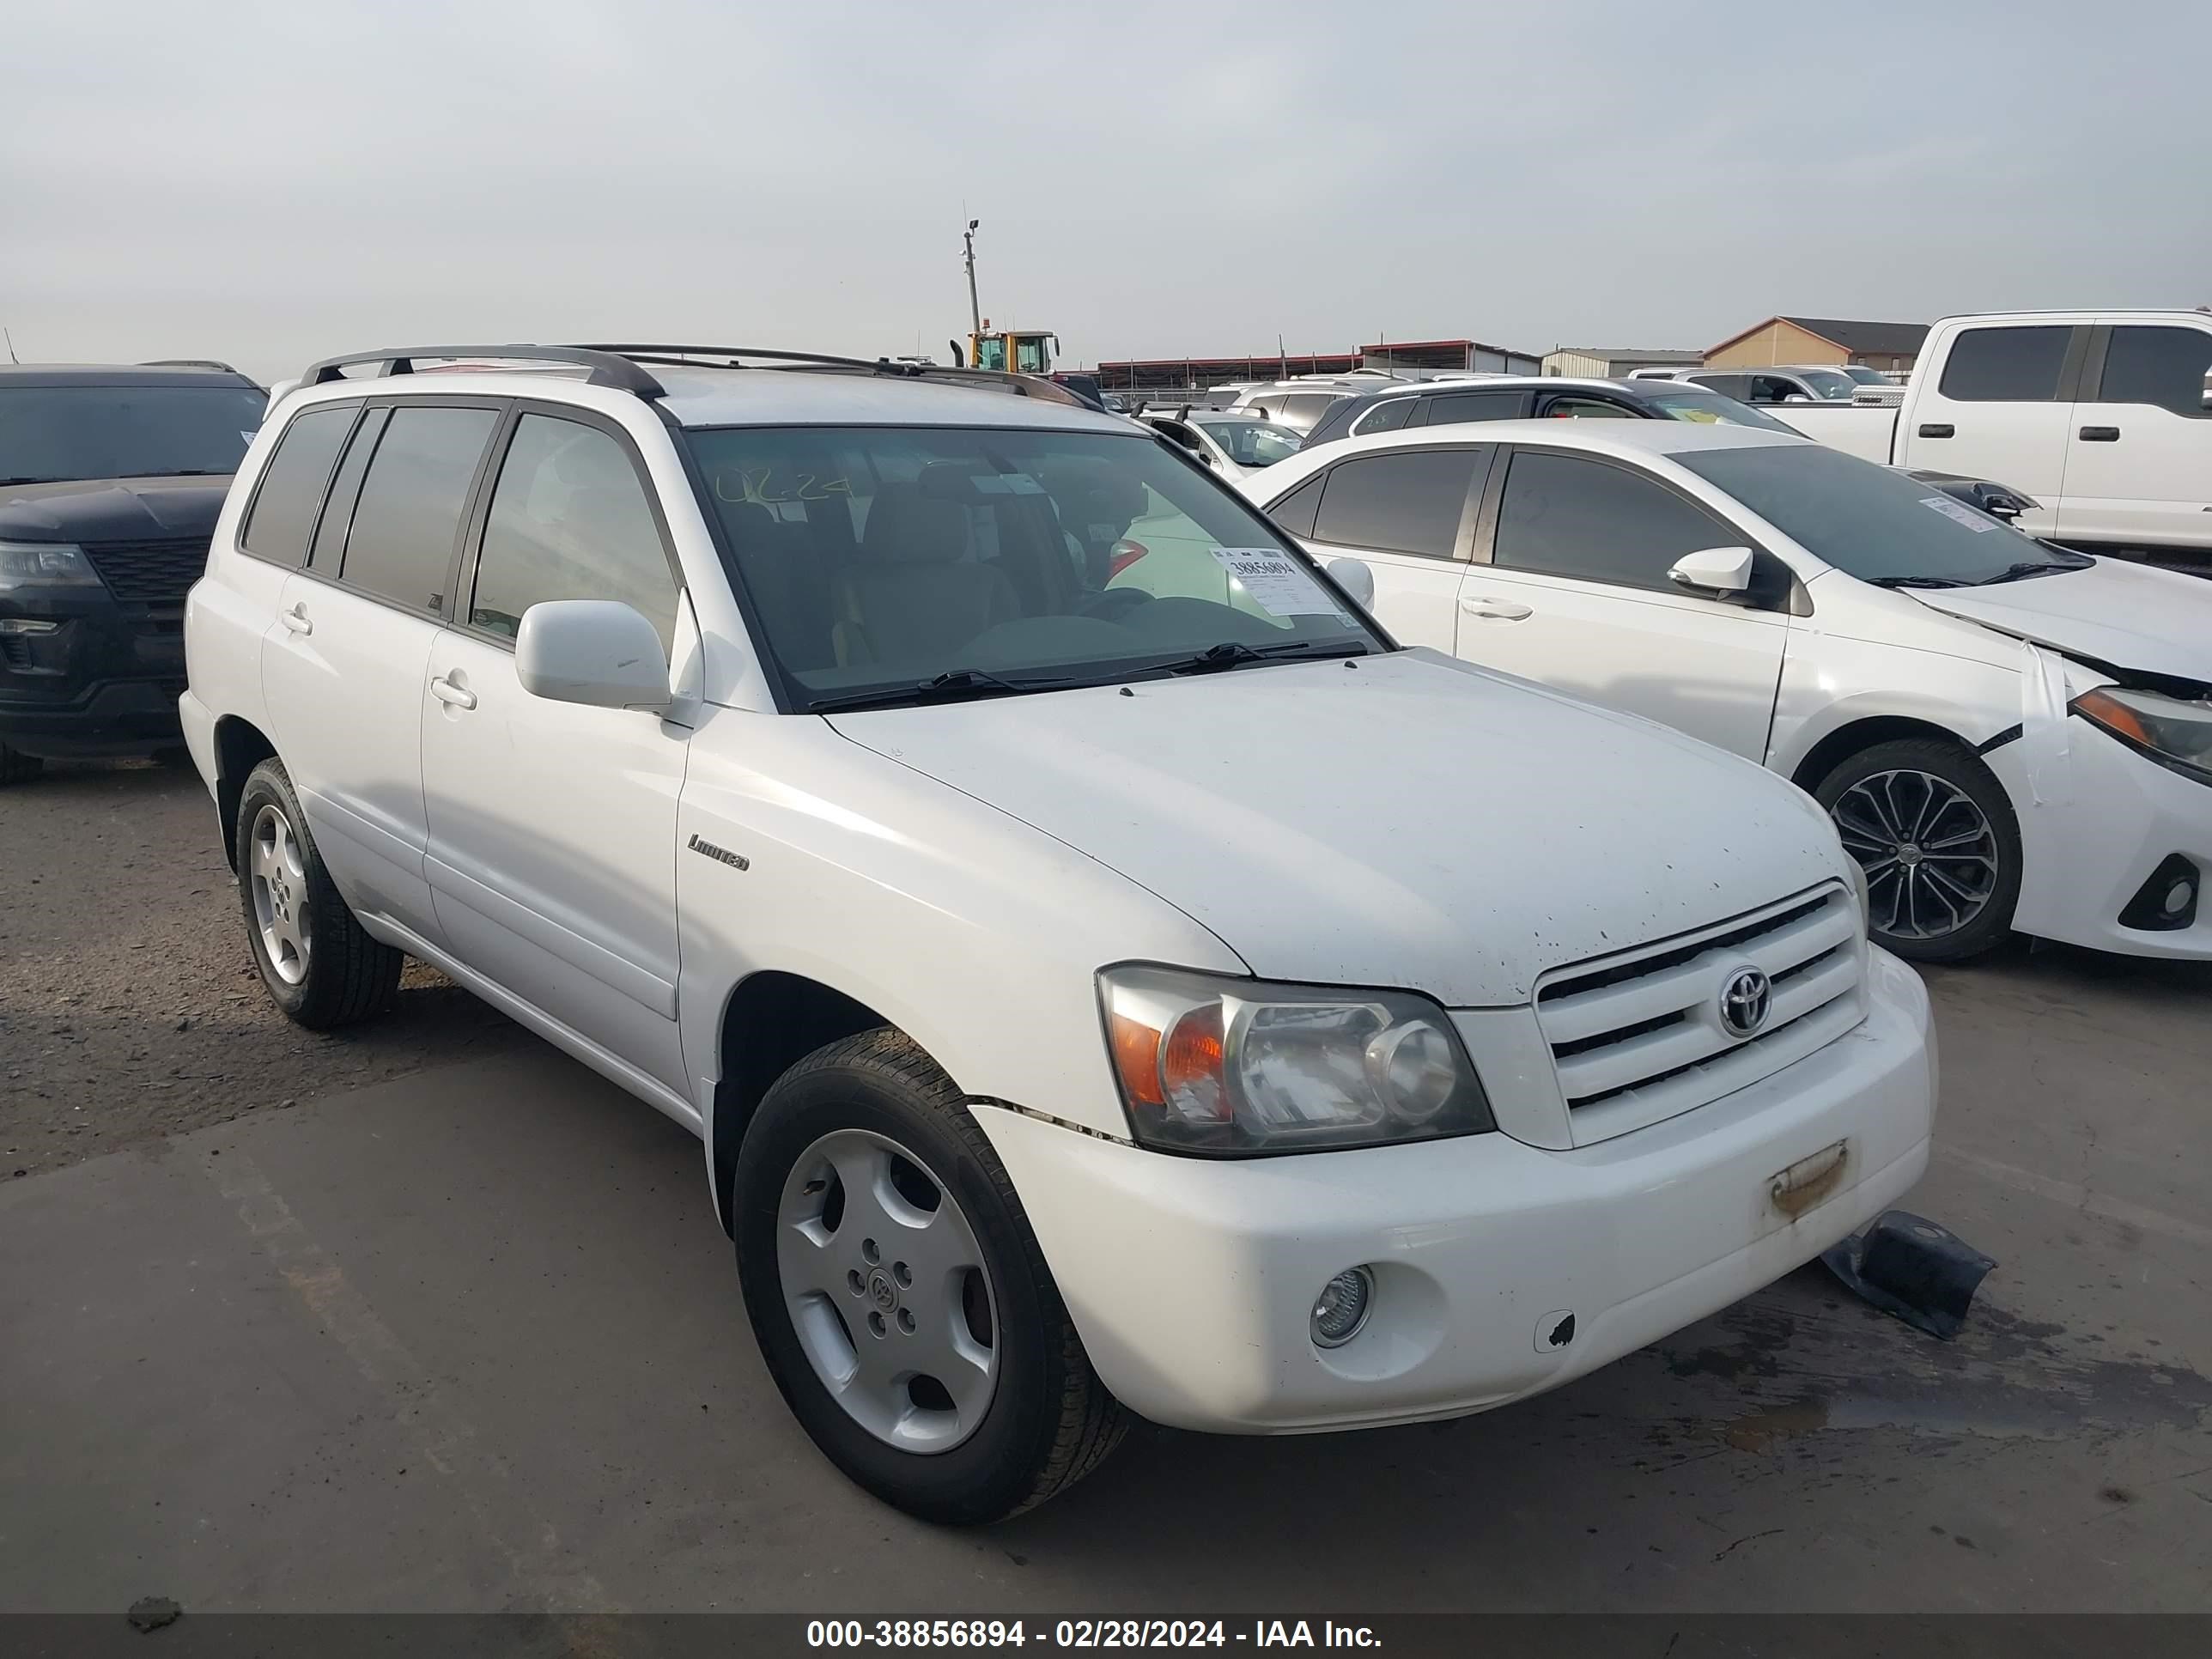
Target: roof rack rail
[
  {"x": 605, "y": 368},
  {"x": 673, "y": 356},
  {"x": 219, "y": 366}
]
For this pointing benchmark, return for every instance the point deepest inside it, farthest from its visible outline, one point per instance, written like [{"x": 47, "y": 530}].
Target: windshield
[
  {"x": 60, "y": 434},
  {"x": 1865, "y": 376},
  {"x": 881, "y": 558},
  {"x": 1711, "y": 409},
  {"x": 1828, "y": 382},
  {"x": 1867, "y": 520},
  {"x": 1252, "y": 443}
]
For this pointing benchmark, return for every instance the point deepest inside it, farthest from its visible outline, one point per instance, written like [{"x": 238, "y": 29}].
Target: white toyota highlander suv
[{"x": 1092, "y": 1002}]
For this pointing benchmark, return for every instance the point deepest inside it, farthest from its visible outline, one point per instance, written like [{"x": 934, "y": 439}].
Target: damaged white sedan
[{"x": 2010, "y": 737}]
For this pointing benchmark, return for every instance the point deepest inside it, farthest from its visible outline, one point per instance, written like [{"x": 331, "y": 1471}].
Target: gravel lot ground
[
  {"x": 459, "y": 1332},
  {"x": 128, "y": 1006}
]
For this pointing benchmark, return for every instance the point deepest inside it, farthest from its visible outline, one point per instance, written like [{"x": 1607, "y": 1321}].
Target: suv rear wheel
[
  {"x": 321, "y": 969},
  {"x": 1939, "y": 842},
  {"x": 898, "y": 1294}
]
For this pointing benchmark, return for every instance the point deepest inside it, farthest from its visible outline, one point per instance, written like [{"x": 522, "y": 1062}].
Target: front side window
[
  {"x": 2006, "y": 365},
  {"x": 1861, "y": 375},
  {"x": 877, "y": 558},
  {"x": 1829, "y": 383},
  {"x": 570, "y": 520},
  {"x": 1410, "y": 502},
  {"x": 1586, "y": 409},
  {"x": 62, "y": 434},
  {"x": 2170, "y": 369},
  {"x": 1029, "y": 356},
  {"x": 291, "y": 491},
  {"x": 1568, "y": 516},
  {"x": 409, "y": 516}
]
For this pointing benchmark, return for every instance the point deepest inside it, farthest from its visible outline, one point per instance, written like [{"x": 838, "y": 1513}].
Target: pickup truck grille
[
  {"x": 1639, "y": 1037},
  {"x": 156, "y": 571}
]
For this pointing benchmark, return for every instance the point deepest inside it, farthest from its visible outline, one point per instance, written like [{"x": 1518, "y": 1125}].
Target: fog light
[
  {"x": 2179, "y": 898},
  {"x": 1342, "y": 1307},
  {"x": 2167, "y": 902}
]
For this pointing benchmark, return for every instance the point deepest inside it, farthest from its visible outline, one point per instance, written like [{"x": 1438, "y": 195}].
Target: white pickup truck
[{"x": 2103, "y": 418}]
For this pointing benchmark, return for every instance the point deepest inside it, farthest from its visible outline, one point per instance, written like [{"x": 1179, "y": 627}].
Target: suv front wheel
[
  {"x": 899, "y": 1296},
  {"x": 321, "y": 969}
]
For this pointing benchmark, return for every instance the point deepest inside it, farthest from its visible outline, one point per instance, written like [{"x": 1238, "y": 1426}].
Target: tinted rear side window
[
  {"x": 1573, "y": 517},
  {"x": 2006, "y": 365},
  {"x": 1385, "y": 416},
  {"x": 2170, "y": 368},
  {"x": 1452, "y": 408},
  {"x": 408, "y": 515},
  {"x": 291, "y": 492},
  {"x": 1403, "y": 503},
  {"x": 1295, "y": 512}
]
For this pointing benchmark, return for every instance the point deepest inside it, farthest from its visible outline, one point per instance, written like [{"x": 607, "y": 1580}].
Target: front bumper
[
  {"x": 2115, "y": 817},
  {"x": 104, "y": 680},
  {"x": 1192, "y": 1282}
]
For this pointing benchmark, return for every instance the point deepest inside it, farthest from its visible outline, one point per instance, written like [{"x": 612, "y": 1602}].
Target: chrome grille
[
  {"x": 1639, "y": 1037},
  {"x": 156, "y": 571}
]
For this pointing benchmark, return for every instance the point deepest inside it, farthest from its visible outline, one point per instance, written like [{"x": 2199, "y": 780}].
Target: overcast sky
[{"x": 267, "y": 183}]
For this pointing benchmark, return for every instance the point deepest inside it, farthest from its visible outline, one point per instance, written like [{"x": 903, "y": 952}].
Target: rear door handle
[
  {"x": 2101, "y": 435},
  {"x": 1939, "y": 429},
  {"x": 454, "y": 696},
  {"x": 1497, "y": 610},
  {"x": 296, "y": 620}
]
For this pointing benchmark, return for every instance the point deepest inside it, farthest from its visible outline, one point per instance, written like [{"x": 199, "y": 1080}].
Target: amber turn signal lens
[
  {"x": 1137, "y": 1060},
  {"x": 2114, "y": 716}
]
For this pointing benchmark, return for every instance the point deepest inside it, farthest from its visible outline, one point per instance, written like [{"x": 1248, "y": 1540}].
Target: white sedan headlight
[
  {"x": 2169, "y": 730},
  {"x": 1234, "y": 1067}
]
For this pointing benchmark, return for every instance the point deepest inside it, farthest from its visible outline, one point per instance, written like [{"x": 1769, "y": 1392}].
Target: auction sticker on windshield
[
  {"x": 1976, "y": 522},
  {"x": 1276, "y": 582}
]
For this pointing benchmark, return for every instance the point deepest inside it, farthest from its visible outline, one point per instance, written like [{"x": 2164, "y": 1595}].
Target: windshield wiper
[
  {"x": 1235, "y": 653},
  {"x": 952, "y": 685},
  {"x": 1913, "y": 581},
  {"x": 2024, "y": 568}
]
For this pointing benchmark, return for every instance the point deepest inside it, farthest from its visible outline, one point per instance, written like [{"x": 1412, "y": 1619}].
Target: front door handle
[
  {"x": 296, "y": 619},
  {"x": 1939, "y": 429},
  {"x": 452, "y": 696},
  {"x": 1496, "y": 610},
  {"x": 2101, "y": 435}
]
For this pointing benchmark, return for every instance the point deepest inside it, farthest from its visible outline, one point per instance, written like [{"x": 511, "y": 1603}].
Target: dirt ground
[{"x": 129, "y": 1008}]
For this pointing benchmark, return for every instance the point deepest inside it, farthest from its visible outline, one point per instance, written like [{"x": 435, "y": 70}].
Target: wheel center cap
[
  {"x": 1908, "y": 855},
  {"x": 883, "y": 1292}
]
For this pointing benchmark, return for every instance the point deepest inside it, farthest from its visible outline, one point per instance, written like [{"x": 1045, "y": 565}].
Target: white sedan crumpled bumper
[{"x": 1192, "y": 1281}]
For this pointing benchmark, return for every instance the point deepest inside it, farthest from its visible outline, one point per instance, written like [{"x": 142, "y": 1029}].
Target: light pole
[{"x": 975, "y": 305}]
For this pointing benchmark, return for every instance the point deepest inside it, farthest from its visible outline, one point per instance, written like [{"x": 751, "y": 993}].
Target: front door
[
  {"x": 1404, "y": 512},
  {"x": 1575, "y": 595},
  {"x": 552, "y": 826},
  {"x": 2139, "y": 444}
]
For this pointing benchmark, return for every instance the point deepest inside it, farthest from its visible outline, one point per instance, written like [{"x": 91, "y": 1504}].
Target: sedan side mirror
[
  {"x": 599, "y": 652},
  {"x": 1715, "y": 570},
  {"x": 1355, "y": 578}
]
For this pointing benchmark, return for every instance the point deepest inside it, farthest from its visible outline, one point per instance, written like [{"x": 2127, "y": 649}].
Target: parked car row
[{"x": 1091, "y": 1000}]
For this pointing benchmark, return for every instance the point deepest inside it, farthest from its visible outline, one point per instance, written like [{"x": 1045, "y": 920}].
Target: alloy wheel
[
  {"x": 1930, "y": 853},
  {"x": 279, "y": 879}
]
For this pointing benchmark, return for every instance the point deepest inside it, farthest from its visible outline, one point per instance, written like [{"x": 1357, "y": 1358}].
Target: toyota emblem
[{"x": 1746, "y": 998}]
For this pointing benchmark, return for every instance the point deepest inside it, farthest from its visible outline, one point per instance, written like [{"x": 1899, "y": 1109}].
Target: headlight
[
  {"x": 1231, "y": 1067},
  {"x": 2167, "y": 729},
  {"x": 44, "y": 564}
]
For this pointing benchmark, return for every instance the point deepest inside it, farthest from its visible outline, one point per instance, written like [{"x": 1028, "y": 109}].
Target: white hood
[
  {"x": 2127, "y": 616},
  {"x": 1409, "y": 821}
]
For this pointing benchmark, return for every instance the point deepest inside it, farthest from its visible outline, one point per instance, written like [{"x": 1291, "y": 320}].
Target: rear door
[
  {"x": 1569, "y": 587},
  {"x": 344, "y": 672},
  {"x": 552, "y": 826},
  {"x": 1998, "y": 408},
  {"x": 1407, "y": 514},
  {"x": 2139, "y": 441}
]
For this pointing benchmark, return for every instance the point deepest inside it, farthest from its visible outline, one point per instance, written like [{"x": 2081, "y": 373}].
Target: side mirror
[
  {"x": 1354, "y": 577},
  {"x": 1711, "y": 570},
  {"x": 596, "y": 651},
  {"x": 1797, "y": 398}
]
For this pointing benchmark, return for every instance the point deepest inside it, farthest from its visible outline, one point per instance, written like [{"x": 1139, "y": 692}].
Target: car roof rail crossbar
[
  {"x": 219, "y": 368},
  {"x": 604, "y": 368}
]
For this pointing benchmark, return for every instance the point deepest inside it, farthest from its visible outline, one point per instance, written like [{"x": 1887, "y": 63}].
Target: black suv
[{"x": 111, "y": 477}]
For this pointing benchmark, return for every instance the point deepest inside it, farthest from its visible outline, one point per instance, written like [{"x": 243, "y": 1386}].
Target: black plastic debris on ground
[
  {"x": 152, "y": 1611},
  {"x": 1908, "y": 1266}
]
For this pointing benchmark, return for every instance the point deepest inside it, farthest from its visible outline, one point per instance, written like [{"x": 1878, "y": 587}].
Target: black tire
[
  {"x": 16, "y": 767},
  {"x": 1915, "y": 761},
  {"x": 345, "y": 976},
  {"x": 1050, "y": 1420}
]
